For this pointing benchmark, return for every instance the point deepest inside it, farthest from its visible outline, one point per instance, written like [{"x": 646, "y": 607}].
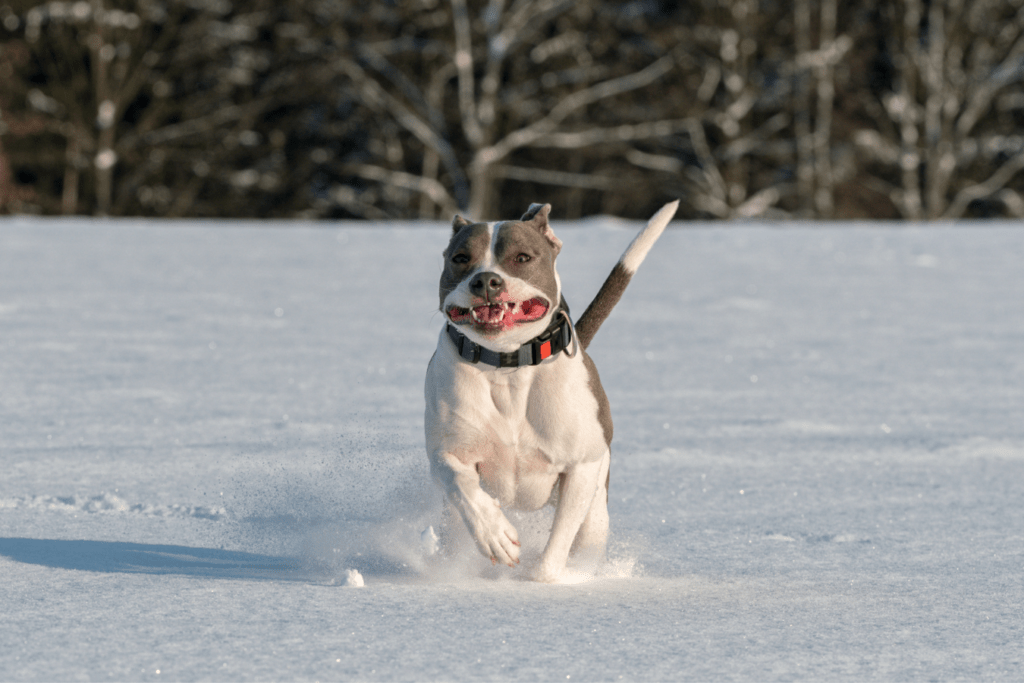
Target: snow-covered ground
[{"x": 818, "y": 468}]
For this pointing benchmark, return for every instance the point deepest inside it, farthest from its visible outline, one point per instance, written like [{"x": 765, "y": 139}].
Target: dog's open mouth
[{"x": 499, "y": 316}]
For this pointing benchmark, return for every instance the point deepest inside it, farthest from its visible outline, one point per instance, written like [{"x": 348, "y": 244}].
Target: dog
[{"x": 515, "y": 413}]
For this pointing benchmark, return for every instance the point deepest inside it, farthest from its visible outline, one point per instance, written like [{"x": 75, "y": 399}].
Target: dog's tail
[{"x": 612, "y": 289}]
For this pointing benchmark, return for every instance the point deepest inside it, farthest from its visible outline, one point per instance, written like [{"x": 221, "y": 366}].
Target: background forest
[{"x": 813, "y": 109}]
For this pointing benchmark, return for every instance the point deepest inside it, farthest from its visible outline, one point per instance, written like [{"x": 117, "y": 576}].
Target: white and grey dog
[{"x": 515, "y": 414}]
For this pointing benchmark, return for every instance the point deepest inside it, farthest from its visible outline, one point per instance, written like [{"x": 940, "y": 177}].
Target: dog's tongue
[
  {"x": 533, "y": 308},
  {"x": 489, "y": 314}
]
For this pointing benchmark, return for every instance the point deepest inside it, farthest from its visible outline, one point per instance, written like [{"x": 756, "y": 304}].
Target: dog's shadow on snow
[{"x": 140, "y": 558}]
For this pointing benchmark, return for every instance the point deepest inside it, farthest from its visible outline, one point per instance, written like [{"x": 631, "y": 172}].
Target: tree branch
[
  {"x": 528, "y": 136},
  {"x": 427, "y": 186},
  {"x": 379, "y": 99},
  {"x": 987, "y": 188},
  {"x": 612, "y": 135},
  {"x": 191, "y": 127},
  {"x": 562, "y": 178},
  {"x": 466, "y": 77},
  {"x": 1010, "y": 70}
]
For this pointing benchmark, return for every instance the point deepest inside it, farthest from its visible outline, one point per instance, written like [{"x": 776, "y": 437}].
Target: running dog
[{"x": 515, "y": 412}]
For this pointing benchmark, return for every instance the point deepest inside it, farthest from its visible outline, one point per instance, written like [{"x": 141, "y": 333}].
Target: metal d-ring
[{"x": 575, "y": 340}]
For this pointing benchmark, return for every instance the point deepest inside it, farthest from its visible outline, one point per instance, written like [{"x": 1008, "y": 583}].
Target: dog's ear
[
  {"x": 458, "y": 223},
  {"x": 537, "y": 216},
  {"x": 534, "y": 210}
]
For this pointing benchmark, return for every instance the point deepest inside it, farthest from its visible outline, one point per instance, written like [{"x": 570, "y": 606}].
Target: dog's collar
[{"x": 556, "y": 338}]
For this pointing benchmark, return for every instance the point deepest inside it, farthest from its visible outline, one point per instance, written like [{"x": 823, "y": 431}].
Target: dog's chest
[
  {"x": 519, "y": 428},
  {"x": 522, "y": 455},
  {"x": 505, "y": 403},
  {"x": 516, "y": 424},
  {"x": 539, "y": 423}
]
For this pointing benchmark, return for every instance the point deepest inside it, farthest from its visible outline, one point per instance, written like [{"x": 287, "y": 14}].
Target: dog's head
[{"x": 499, "y": 283}]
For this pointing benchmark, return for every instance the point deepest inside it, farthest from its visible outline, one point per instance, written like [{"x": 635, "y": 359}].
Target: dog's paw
[
  {"x": 544, "y": 574},
  {"x": 497, "y": 538},
  {"x": 564, "y": 577}
]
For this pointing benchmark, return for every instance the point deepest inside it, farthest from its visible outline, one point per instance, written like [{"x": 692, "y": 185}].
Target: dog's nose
[{"x": 487, "y": 285}]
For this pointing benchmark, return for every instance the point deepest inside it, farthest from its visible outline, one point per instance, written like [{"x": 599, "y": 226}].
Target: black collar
[{"x": 552, "y": 341}]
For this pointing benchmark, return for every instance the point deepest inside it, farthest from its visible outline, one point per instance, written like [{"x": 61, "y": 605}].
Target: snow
[{"x": 211, "y": 435}]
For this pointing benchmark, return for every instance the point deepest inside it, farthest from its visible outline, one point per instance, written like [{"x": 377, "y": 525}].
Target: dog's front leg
[
  {"x": 579, "y": 487},
  {"x": 493, "y": 533}
]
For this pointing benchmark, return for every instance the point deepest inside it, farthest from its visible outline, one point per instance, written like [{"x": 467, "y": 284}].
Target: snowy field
[{"x": 817, "y": 473}]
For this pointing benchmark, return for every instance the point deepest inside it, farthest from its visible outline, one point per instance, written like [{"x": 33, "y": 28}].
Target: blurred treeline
[{"x": 417, "y": 108}]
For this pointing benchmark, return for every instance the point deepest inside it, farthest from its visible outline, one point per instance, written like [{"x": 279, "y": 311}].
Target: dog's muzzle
[{"x": 487, "y": 285}]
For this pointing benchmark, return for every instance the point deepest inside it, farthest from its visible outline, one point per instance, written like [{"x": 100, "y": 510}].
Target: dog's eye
[
  {"x": 523, "y": 258},
  {"x": 460, "y": 259}
]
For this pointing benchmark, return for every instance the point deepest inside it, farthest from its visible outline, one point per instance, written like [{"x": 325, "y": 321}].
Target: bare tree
[
  {"x": 12, "y": 194},
  {"x": 478, "y": 102},
  {"x": 760, "y": 134},
  {"x": 814, "y": 100},
  {"x": 425, "y": 107},
  {"x": 948, "y": 116},
  {"x": 739, "y": 123},
  {"x": 91, "y": 61},
  {"x": 153, "y": 106},
  {"x": 504, "y": 80}
]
